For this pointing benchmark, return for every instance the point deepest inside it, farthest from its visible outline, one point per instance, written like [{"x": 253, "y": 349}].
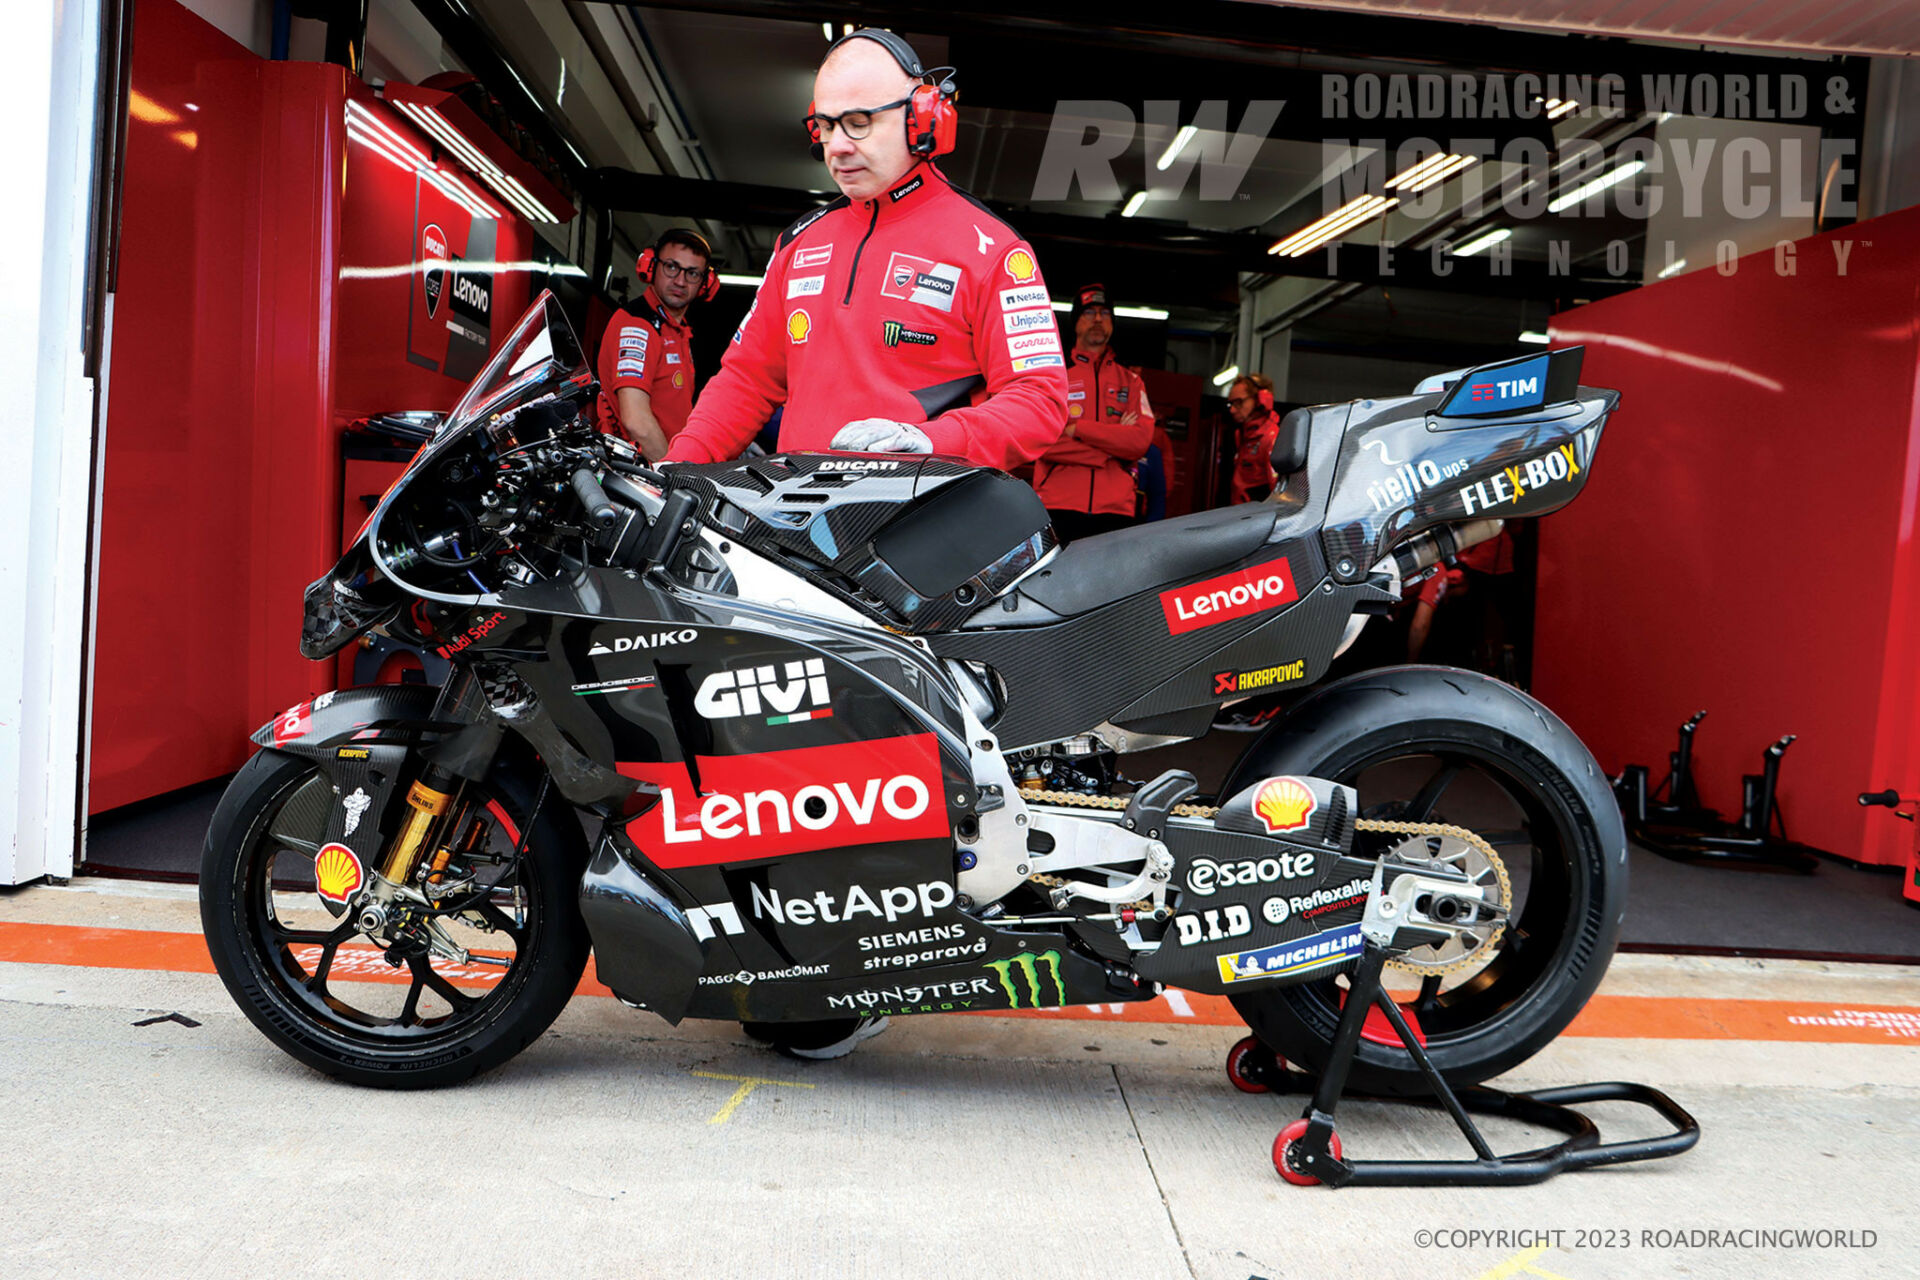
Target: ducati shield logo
[
  {"x": 433, "y": 265},
  {"x": 1020, "y": 978}
]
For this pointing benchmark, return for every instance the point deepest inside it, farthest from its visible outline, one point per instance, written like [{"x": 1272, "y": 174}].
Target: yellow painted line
[
  {"x": 747, "y": 1085},
  {"x": 1518, "y": 1264}
]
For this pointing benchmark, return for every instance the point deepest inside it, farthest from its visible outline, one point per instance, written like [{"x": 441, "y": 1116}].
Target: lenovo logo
[
  {"x": 1234, "y": 595},
  {"x": 816, "y": 807}
]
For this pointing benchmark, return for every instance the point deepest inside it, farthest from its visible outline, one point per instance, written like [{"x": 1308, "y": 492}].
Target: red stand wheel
[
  {"x": 1237, "y": 1066},
  {"x": 1283, "y": 1148}
]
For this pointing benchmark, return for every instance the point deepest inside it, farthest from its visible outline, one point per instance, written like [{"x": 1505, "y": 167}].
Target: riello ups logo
[{"x": 1021, "y": 978}]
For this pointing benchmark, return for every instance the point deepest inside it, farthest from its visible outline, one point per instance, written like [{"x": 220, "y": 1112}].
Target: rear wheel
[
  {"x": 393, "y": 1017},
  {"x": 1450, "y": 747}
]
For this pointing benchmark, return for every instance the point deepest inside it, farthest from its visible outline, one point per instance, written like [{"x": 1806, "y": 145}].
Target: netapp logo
[
  {"x": 655, "y": 640},
  {"x": 723, "y": 916},
  {"x": 1206, "y": 876},
  {"x": 727, "y": 694},
  {"x": 823, "y": 907}
]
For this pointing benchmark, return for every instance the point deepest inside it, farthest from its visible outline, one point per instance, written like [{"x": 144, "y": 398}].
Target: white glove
[{"x": 881, "y": 435}]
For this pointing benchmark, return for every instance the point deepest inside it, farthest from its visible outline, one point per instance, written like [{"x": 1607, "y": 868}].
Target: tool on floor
[{"x": 1671, "y": 821}]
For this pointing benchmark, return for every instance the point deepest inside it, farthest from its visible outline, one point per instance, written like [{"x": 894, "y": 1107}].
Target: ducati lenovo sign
[
  {"x": 1234, "y": 595},
  {"x": 774, "y": 803}
]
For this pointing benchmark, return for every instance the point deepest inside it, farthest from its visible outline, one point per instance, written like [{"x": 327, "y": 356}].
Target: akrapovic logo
[
  {"x": 756, "y": 690},
  {"x": 645, "y": 640}
]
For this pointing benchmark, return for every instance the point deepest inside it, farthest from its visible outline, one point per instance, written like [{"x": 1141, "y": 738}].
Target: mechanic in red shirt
[
  {"x": 1250, "y": 401},
  {"x": 1085, "y": 477},
  {"x": 646, "y": 356},
  {"x": 903, "y": 317}
]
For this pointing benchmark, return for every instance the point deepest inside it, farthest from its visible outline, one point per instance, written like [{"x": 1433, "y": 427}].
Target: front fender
[{"x": 328, "y": 719}]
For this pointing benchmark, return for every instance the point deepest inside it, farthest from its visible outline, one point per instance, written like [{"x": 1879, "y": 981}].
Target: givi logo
[
  {"x": 1235, "y": 595},
  {"x": 777, "y": 803}
]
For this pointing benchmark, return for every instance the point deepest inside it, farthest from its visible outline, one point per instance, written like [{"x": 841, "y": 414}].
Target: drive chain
[{"x": 1068, "y": 799}]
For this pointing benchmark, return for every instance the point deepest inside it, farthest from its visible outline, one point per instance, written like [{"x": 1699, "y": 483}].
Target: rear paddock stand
[{"x": 1307, "y": 1152}]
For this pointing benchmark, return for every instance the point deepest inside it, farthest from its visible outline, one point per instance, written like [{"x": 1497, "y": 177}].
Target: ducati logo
[
  {"x": 433, "y": 265},
  {"x": 653, "y": 640},
  {"x": 727, "y": 694}
]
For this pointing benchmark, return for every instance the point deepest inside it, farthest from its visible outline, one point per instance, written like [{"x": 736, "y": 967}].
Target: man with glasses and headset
[
  {"x": 902, "y": 317},
  {"x": 646, "y": 358},
  {"x": 1250, "y": 403}
]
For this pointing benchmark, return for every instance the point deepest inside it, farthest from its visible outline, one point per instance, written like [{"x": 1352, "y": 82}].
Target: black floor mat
[{"x": 1839, "y": 911}]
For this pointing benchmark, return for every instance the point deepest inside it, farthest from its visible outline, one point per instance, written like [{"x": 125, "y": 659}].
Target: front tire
[
  {"x": 425, "y": 1023},
  {"x": 1430, "y": 744}
]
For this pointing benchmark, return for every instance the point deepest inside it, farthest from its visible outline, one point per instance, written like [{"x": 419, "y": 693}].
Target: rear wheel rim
[{"x": 1541, "y": 851}]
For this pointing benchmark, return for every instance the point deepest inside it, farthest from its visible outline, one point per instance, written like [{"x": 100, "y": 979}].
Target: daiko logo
[
  {"x": 727, "y": 694},
  {"x": 774, "y": 803},
  {"x": 645, "y": 640},
  {"x": 1234, "y": 595}
]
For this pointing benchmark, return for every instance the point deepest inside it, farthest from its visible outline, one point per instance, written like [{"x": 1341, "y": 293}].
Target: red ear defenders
[
  {"x": 709, "y": 288},
  {"x": 1265, "y": 398},
  {"x": 933, "y": 121}
]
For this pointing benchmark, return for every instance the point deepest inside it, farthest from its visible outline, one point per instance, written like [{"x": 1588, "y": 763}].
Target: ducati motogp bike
[{"x": 819, "y": 738}]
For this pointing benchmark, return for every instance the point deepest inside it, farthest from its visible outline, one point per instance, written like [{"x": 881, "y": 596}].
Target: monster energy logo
[
  {"x": 896, "y": 333},
  {"x": 1028, "y": 964}
]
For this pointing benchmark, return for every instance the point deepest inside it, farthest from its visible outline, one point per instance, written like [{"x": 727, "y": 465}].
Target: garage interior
[{"x": 1745, "y": 545}]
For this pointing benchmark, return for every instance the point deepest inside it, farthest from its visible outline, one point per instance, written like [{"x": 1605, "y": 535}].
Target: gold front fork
[{"x": 427, "y": 805}]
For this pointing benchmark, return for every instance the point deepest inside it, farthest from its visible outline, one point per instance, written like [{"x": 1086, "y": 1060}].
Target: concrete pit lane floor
[{"x": 150, "y": 1130}]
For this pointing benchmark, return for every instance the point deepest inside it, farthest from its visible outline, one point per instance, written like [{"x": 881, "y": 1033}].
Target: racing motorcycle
[{"x": 817, "y": 738}]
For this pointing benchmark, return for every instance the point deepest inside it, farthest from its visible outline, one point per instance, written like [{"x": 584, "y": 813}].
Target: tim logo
[
  {"x": 1020, "y": 979},
  {"x": 1506, "y": 390}
]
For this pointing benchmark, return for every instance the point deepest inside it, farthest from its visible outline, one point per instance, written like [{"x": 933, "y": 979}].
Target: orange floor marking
[{"x": 1622, "y": 1017}]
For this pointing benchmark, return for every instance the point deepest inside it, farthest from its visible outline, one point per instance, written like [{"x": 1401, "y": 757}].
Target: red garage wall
[
  {"x": 1746, "y": 543},
  {"x": 260, "y": 220}
]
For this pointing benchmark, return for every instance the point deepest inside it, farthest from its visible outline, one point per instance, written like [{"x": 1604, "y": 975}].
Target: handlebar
[
  {"x": 1890, "y": 798},
  {"x": 594, "y": 498}
]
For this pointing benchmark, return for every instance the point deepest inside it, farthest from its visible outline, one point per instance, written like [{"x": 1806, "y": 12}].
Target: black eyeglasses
[
  {"x": 1239, "y": 399},
  {"x": 674, "y": 271},
  {"x": 856, "y": 124}
]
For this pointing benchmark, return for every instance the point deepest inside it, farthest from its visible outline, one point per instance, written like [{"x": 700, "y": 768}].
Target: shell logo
[
  {"x": 336, "y": 873},
  {"x": 678, "y": 381},
  {"x": 799, "y": 325},
  {"x": 1020, "y": 265},
  {"x": 1074, "y": 411},
  {"x": 1283, "y": 804}
]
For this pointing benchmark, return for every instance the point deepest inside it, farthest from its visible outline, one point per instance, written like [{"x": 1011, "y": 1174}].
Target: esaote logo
[
  {"x": 777, "y": 803},
  {"x": 1236, "y": 595},
  {"x": 1283, "y": 804}
]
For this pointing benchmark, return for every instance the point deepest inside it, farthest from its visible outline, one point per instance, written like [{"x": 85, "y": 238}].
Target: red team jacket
[
  {"x": 919, "y": 306},
  {"x": 1253, "y": 461},
  {"x": 644, "y": 348},
  {"x": 1091, "y": 471}
]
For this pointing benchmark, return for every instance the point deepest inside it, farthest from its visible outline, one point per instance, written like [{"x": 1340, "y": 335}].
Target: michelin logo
[{"x": 1288, "y": 959}]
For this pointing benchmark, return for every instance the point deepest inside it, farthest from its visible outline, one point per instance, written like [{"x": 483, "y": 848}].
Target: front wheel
[
  {"x": 394, "y": 1016},
  {"x": 1433, "y": 745}
]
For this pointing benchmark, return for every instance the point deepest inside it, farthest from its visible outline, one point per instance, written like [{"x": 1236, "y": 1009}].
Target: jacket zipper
[{"x": 854, "y": 271}]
